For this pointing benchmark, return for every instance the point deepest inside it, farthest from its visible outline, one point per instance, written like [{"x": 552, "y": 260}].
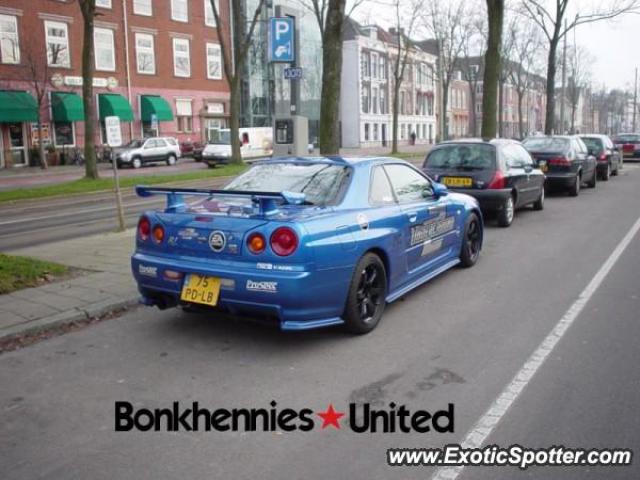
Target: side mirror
[{"x": 439, "y": 190}]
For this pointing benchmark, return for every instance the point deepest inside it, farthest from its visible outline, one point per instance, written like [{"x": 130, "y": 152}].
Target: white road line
[{"x": 488, "y": 422}]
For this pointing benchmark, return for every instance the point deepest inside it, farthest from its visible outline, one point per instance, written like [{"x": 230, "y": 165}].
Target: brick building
[{"x": 157, "y": 65}]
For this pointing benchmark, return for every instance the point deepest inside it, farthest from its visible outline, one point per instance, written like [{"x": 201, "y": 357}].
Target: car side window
[
  {"x": 408, "y": 185},
  {"x": 380, "y": 192},
  {"x": 511, "y": 157},
  {"x": 150, "y": 144},
  {"x": 525, "y": 157},
  {"x": 160, "y": 143}
]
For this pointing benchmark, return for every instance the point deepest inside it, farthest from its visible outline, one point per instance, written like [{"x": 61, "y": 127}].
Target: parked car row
[{"x": 505, "y": 175}]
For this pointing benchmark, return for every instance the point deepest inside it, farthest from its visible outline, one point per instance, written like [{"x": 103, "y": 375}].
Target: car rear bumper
[
  {"x": 298, "y": 299},
  {"x": 560, "y": 179},
  {"x": 488, "y": 199}
]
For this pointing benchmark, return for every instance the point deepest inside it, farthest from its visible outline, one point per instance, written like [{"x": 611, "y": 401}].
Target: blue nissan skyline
[{"x": 308, "y": 242}]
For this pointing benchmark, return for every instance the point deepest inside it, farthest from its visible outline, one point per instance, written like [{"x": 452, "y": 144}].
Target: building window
[
  {"x": 402, "y": 104},
  {"x": 57, "y": 38},
  {"x": 383, "y": 103},
  {"x": 9, "y": 46},
  {"x": 479, "y": 88},
  {"x": 104, "y": 49},
  {"x": 374, "y": 65},
  {"x": 181, "y": 58},
  {"x": 382, "y": 68},
  {"x": 365, "y": 98},
  {"x": 209, "y": 17},
  {"x": 184, "y": 115},
  {"x": 63, "y": 133},
  {"x": 402, "y": 131},
  {"x": 103, "y": 3},
  {"x": 145, "y": 54},
  {"x": 180, "y": 10},
  {"x": 375, "y": 132},
  {"x": 366, "y": 132},
  {"x": 214, "y": 61},
  {"x": 365, "y": 65},
  {"x": 142, "y": 7},
  {"x": 374, "y": 104}
]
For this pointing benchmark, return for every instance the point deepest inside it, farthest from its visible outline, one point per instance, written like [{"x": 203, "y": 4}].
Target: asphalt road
[
  {"x": 459, "y": 339},
  {"x": 37, "y": 222}
]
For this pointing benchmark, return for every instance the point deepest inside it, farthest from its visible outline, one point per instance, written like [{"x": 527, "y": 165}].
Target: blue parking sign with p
[{"x": 281, "y": 39}]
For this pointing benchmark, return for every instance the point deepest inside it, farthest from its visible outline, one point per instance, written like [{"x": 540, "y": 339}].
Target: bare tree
[
  {"x": 492, "y": 67},
  {"x": 88, "y": 9},
  {"x": 552, "y": 22},
  {"x": 578, "y": 62},
  {"x": 243, "y": 28},
  {"x": 470, "y": 64},
  {"x": 405, "y": 23},
  {"x": 444, "y": 20},
  {"x": 524, "y": 62},
  {"x": 331, "y": 16}
]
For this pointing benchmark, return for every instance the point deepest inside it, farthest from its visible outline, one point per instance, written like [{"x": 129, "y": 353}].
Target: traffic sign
[
  {"x": 114, "y": 134},
  {"x": 293, "y": 73},
  {"x": 281, "y": 39}
]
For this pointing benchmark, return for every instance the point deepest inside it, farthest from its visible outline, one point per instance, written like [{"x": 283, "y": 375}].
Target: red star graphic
[{"x": 330, "y": 417}]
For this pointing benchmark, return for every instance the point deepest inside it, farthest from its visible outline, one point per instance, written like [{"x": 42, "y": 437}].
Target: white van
[{"x": 254, "y": 143}]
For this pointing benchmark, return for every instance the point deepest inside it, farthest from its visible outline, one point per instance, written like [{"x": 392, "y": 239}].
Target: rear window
[
  {"x": 320, "y": 182},
  {"x": 546, "y": 144},
  {"x": 469, "y": 156},
  {"x": 627, "y": 138},
  {"x": 594, "y": 143}
]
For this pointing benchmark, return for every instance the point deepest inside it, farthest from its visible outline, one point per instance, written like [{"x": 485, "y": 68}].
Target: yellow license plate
[
  {"x": 201, "y": 289},
  {"x": 457, "y": 181}
]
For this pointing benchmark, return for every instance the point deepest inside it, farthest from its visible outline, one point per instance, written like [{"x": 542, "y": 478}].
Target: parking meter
[{"x": 290, "y": 136}]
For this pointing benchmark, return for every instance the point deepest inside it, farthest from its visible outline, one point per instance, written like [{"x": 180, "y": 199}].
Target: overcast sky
[{"x": 613, "y": 44}]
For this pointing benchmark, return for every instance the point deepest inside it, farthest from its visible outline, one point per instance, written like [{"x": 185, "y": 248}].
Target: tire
[
  {"x": 471, "y": 241},
  {"x": 211, "y": 165},
  {"x": 366, "y": 296},
  {"x": 136, "y": 162},
  {"x": 505, "y": 216},
  {"x": 605, "y": 176},
  {"x": 574, "y": 191},
  {"x": 539, "y": 204},
  {"x": 171, "y": 159},
  {"x": 594, "y": 179}
]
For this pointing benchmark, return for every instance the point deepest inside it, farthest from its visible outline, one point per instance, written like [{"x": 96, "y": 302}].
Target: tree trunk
[
  {"x": 234, "y": 119},
  {"x": 549, "y": 122},
  {"x": 331, "y": 78},
  {"x": 573, "y": 118},
  {"x": 500, "y": 108},
  {"x": 472, "y": 110},
  {"x": 43, "y": 159},
  {"x": 520, "y": 122},
  {"x": 88, "y": 8},
  {"x": 396, "y": 109},
  {"x": 445, "y": 117},
  {"x": 495, "y": 12}
]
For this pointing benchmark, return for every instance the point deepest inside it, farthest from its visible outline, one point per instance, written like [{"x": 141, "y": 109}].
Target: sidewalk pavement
[{"x": 107, "y": 286}]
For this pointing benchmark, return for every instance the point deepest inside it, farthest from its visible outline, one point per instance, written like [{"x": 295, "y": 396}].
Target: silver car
[{"x": 149, "y": 150}]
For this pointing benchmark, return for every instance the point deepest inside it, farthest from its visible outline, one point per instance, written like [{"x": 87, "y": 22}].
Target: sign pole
[{"x": 114, "y": 139}]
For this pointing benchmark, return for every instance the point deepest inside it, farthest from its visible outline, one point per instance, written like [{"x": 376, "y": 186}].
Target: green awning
[
  {"x": 17, "y": 106},
  {"x": 155, "y": 104},
  {"x": 114, "y": 105},
  {"x": 66, "y": 107}
]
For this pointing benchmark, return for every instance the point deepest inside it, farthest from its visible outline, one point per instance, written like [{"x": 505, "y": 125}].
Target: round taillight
[
  {"x": 256, "y": 243},
  {"x": 284, "y": 241},
  {"x": 158, "y": 233},
  {"x": 144, "y": 228}
]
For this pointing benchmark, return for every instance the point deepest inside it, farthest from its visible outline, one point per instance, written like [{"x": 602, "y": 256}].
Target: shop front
[
  {"x": 113, "y": 105},
  {"x": 214, "y": 118},
  {"x": 17, "y": 110},
  {"x": 153, "y": 110}
]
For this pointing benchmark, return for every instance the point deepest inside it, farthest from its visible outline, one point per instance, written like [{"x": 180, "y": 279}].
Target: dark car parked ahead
[
  {"x": 628, "y": 144},
  {"x": 608, "y": 158},
  {"x": 499, "y": 173},
  {"x": 565, "y": 160}
]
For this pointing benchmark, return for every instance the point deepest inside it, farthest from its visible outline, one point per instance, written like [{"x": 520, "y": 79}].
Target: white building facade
[{"x": 366, "y": 97}]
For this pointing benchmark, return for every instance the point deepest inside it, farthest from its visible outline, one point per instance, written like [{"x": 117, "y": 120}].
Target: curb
[{"x": 78, "y": 314}]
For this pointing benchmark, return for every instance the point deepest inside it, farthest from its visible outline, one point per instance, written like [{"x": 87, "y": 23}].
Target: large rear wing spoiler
[{"x": 266, "y": 202}]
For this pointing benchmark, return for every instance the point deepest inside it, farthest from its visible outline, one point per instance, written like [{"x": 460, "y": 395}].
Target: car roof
[
  {"x": 337, "y": 160},
  {"x": 486, "y": 141}
]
